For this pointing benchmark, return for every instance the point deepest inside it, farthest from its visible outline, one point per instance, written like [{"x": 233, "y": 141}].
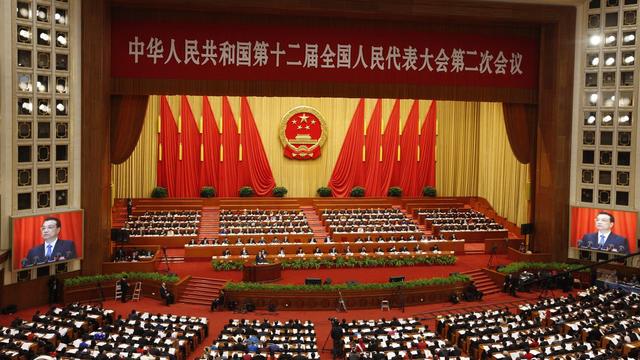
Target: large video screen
[
  {"x": 611, "y": 231},
  {"x": 44, "y": 239}
]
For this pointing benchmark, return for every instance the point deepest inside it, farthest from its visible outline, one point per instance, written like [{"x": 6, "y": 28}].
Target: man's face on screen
[
  {"x": 603, "y": 222},
  {"x": 50, "y": 230}
]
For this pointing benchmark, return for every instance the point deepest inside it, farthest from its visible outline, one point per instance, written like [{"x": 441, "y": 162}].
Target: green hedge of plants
[
  {"x": 343, "y": 262},
  {"x": 438, "y": 281},
  {"x": 82, "y": 280},
  {"x": 517, "y": 267}
]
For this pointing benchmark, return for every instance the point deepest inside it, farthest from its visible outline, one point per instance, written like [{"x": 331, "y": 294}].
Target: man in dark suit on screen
[
  {"x": 604, "y": 238},
  {"x": 53, "y": 249}
]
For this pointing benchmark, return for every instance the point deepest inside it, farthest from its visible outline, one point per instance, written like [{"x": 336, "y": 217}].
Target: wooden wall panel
[{"x": 96, "y": 115}]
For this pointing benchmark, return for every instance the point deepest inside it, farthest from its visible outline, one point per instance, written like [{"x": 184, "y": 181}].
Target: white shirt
[
  {"x": 53, "y": 246},
  {"x": 606, "y": 236}
]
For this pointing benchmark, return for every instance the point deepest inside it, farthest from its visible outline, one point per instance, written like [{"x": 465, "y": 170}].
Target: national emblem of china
[{"x": 303, "y": 131}]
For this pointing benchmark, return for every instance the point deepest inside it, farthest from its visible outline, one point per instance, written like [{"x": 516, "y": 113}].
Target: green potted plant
[
  {"x": 246, "y": 191},
  {"x": 429, "y": 191},
  {"x": 279, "y": 191},
  {"x": 207, "y": 192},
  {"x": 357, "y": 191},
  {"x": 395, "y": 191},
  {"x": 159, "y": 192},
  {"x": 324, "y": 191}
]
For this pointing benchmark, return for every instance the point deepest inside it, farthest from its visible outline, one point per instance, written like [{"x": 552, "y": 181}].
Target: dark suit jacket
[
  {"x": 64, "y": 248},
  {"x": 613, "y": 242}
]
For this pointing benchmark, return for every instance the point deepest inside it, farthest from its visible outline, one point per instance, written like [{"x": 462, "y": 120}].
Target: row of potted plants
[
  {"x": 517, "y": 267},
  {"x": 343, "y": 262},
  {"x": 131, "y": 276},
  {"x": 436, "y": 281},
  {"x": 281, "y": 191}
]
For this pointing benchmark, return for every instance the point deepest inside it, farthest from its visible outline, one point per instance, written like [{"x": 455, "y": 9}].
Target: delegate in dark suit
[
  {"x": 52, "y": 247},
  {"x": 613, "y": 242},
  {"x": 63, "y": 248},
  {"x": 604, "y": 238}
]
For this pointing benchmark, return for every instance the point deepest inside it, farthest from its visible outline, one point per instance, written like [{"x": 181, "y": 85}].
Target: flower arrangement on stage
[
  {"x": 324, "y": 191},
  {"x": 93, "y": 279},
  {"x": 159, "y": 192},
  {"x": 436, "y": 281},
  {"x": 395, "y": 191},
  {"x": 280, "y": 191},
  {"x": 344, "y": 262},
  {"x": 429, "y": 191},
  {"x": 357, "y": 191},
  {"x": 246, "y": 191},
  {"x": 207, "y": 192},
  {"x": 516, "y": 267}
]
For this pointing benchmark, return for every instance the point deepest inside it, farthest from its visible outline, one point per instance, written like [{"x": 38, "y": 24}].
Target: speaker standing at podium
[{"x": 604, "y": 238}]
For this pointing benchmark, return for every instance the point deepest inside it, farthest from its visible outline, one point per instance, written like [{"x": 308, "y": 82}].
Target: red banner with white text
[{"x": 241, "y": 51}]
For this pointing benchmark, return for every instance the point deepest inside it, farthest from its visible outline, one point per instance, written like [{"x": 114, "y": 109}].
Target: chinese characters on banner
[{"x": 226, "y": 52}]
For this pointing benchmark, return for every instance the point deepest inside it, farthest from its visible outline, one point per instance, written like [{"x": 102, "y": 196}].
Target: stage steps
[
  {"x": 119, "y": 214},
  {"x": 209, "y": 222},
  {"x": 482, "y": 281},
  {"x": 315, "y": 223},
  {"x": 201, "y": 291}
]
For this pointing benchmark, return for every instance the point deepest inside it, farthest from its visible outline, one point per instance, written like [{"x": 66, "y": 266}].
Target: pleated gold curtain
[
  {"x": 459, "y": 162},
  {"x": 502, "y": 179}
]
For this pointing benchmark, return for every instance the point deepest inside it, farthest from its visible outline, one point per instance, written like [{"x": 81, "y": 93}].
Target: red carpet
[{"x": 320, "y": 318}]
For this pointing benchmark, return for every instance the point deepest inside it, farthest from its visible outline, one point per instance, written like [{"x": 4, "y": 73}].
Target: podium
[{"x": 261, "y": 272}]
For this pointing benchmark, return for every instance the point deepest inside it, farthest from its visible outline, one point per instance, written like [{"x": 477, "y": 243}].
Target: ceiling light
[{"x": 595, "y": 40}]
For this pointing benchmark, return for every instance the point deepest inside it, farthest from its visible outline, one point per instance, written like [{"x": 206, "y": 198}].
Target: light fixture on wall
[{"x": 24, "y": 35}]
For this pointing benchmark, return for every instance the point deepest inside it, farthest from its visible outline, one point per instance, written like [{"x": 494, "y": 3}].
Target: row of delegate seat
[
  {"x": 255, "y": 339},
  {"x": 91, "y": 332},
  {"x": 594, "y": 324}
]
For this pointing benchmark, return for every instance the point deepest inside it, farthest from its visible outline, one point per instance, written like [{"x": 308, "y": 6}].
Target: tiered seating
[
  {"x": 591, "y": 324},
  {"x": 387, "y": 339},
  {"x": 263, "y": 222},
  {"x": 368, "y": 221},
  {"x": 164, "y": 223},
  {"x": 88, "y": 332},
  {"x": 456, "y": 219},
  {"x": 283, "y": 339}
]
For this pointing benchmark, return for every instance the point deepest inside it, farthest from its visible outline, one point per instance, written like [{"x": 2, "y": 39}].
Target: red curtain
[
  {"x": 167, "y": 148},
  {"x": 583, "y": 222},
  {"x": 390, "y": 149},
  {"x": 27, "y": 234},
  {"x": 188, "y": 167},
  {"x": 407, "y": 170},
  {"x": 127, "y": 119},
  {"x": 231, "y": 174},
  {"x": 372, "y": 154},
  {"x": 349, "y": 163},
  {"x": 210, "y": 147},
  {"x": 520, "y": 121},
  {"x": 254, "y": 156},
  {"x": 427, "y": 163}
]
